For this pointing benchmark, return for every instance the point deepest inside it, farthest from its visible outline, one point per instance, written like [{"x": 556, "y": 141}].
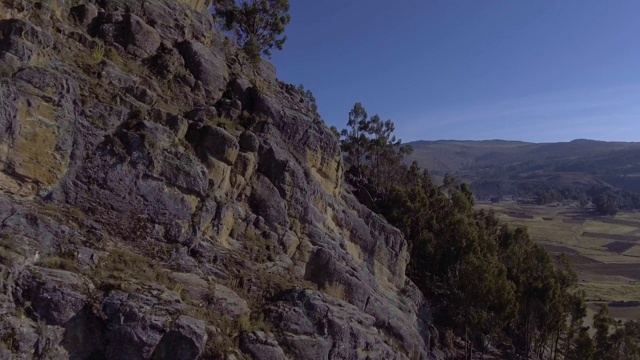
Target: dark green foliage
[
  {"x": 355, "y": 140},
  {"x": 606, "y": 203},
  {"x": 606, "y": 199},
  {"x": 625, "y": 200},
  {"x": 484, "y": 280},
  {"x": 372, "y": 148},
  {"x": 493, "y": 281},
  {"x": 309, "y": 99},
  {"x": 256, "y": 24},
  {"x": 546, "y": 197},
  {"x": 601, "y": 323},
  {"x": 613, "y": 340},
  {"x": 219, "y": 6},
  {"x": 584, "y": 348},
  {"x": 626, "y": 340},
  {"x": 335, "y": 131}
]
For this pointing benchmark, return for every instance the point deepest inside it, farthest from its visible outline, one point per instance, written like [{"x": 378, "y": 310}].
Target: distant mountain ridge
[{"x": 495, "y": 167}]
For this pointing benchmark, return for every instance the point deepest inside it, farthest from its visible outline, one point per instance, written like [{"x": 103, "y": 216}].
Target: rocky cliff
[{"x": 160, "y": 198}]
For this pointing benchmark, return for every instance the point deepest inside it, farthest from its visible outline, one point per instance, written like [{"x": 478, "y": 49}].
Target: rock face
[{"x": 160, "y": 198}]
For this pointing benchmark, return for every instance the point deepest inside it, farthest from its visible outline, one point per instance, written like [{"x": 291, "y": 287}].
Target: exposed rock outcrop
[{"x": 161, "y": 198}]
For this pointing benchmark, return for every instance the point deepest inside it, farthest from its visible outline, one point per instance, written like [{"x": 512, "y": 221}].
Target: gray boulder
[
  {"x": 265, "y": 204},
  {"x": 185, "y": 340},
  {"x": 20, "y": 40},
  {"x": 227, "y": 302},
  {"x": 166, "y": 62},
  {"x": 314, "y": 324},
  {"x": 84, "y": 14},
  {"x": 84, "y": 335},
  {"x": 135, "y": 325},
  {"x": 141, "y": 39},
  {"x": 249, "y": 141},
  {"x": 206, "y": 66},
  {"x": 51, "y": 295},
  {"x": 241, "y": 90},
  {"x": 203, "y": 114},
  {"x": 260, "y": 346},
  {"x": 142, "y": 94},
  {"x": 215, "y": 142}
]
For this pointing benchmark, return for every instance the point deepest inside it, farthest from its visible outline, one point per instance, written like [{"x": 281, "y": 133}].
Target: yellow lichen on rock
[
  {"x": 327, "y": 173},
  {"x": 245, "y": 165},
  {"x": 225, "y": 226},
  {"x": 198, "y": 5},
  {"x": 13, "y": 186},
  {"x": 33, "y": 155},
  {"x": 220, "y": 173},
  {"x": 354, "y": 250},
  {"x": 391, "y": 269}
]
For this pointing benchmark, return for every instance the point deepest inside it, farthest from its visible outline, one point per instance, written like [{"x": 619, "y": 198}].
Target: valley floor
[{"x": 605, "y": 251}]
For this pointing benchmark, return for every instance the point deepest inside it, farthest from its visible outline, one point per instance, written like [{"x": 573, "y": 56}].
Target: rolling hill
[{"x": 498, "y": 167}]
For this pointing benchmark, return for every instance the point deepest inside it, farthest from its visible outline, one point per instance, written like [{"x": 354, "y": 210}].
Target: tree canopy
[
  {"x": 484, "y": 280},
  {"x": 257, "y": 25},
  {"x": 372, "y": 147}
]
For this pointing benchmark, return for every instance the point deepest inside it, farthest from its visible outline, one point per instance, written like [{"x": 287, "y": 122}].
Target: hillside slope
[
  {"x": 162, "y": 199},
  {"x": 504, "y": 167}
]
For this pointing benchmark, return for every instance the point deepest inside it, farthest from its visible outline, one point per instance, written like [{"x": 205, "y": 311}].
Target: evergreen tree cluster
[
  {"x": 488, "y": 282},
  {"x": 613, "y": 340},
  {"x": 606, "y": 200},
  {"x": 308, "y": 98},
  {"x": 373, "y": 148}
]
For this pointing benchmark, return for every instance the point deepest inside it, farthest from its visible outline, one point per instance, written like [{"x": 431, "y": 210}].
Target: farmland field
[{"x": 605, "y": 251}]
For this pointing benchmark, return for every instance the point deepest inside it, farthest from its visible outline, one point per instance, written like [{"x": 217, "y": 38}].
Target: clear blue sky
[{"x": 543, "y": 70}]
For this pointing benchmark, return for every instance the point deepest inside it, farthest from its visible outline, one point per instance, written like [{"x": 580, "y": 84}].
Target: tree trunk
[{"x": 555, "y": 347}]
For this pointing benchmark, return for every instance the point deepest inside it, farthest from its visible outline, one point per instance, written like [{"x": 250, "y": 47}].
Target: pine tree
[
  {"x": 602, "y": 323},
  {"x": 355, "y": 141},
  {"x": 256, "y": 24},
  {"x": 584, "y": 347}
]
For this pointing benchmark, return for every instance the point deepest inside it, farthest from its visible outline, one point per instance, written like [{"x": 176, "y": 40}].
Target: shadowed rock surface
[{"x": 161, "y": 198}]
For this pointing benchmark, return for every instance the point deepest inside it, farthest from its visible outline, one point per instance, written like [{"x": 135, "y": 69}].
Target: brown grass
[
  {"x": 122, "y": 265},
  {"x": 335, "y": 290},
  {"x": 54, "y": 262}
]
